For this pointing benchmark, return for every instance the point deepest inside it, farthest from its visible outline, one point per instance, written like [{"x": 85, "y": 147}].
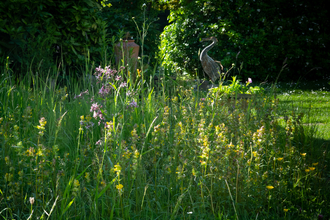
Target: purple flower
[
  {"x": 123, "y": 84},
  {"x": 104, "y": 90},
  {"x": 133, "y": 104}
]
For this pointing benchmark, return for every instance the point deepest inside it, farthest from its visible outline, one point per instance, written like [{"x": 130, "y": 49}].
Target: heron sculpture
[{"x": 210, "y": 66}]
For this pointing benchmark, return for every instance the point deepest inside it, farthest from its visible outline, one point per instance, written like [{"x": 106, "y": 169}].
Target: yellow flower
[
  {"x": 285, "y": 210},
  {"x": 315, "y": 164},
  {"x": 311, "y": 168},
  {"x": 117, "y": 168},
  {"x": 307, "y": 170},
  {"x": 280, "y": 158},
  {"x": 76, "y": 183},
  {"x": 139, "y": 72},
  {"x": 119, "y": 186},
  {"x": 270, "y": 187},
  {"x": 136, "y": 154},
  {"x": 87, "y": 176},
  {"x": 82, "y": 117},
  {"x": 7, "y": 160},
  {"x": 303, "y": 154}
]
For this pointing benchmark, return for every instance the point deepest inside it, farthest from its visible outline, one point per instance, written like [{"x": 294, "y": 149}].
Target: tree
[
  {"x": 258, "y": 34},
  {"x": 37, "y": 30}
]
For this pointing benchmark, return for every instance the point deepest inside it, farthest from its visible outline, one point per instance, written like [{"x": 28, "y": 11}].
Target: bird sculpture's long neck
[{"x": 206, "y": 49}]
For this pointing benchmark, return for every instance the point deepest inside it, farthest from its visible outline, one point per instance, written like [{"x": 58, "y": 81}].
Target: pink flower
[
  {"x": 249, "y": 80},
  {"x": 104, "y": 90},
  {"x": 94, "y": 107},
  {"x": 133, "y": 104},
  {"x": 123, "y": 84},
  {"x": 95, "y": 114}
]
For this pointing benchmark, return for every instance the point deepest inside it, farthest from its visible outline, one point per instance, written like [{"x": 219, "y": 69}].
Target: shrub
[{"x": 260, "y": 35}]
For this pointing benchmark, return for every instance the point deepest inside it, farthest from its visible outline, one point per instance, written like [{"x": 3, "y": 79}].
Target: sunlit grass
[
  {"x": 312, "y": 99},
  {"x": 103, "y": 152}
]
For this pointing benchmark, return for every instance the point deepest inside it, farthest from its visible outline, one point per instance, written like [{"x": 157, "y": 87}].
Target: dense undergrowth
[{"x": 119, "y": 150}]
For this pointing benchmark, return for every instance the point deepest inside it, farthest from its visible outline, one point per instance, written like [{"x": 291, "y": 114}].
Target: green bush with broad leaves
[
  {"x": 235, "y": 87},
  {"x": 51, "y": 31},
  {"x": 258, "y": 34}
]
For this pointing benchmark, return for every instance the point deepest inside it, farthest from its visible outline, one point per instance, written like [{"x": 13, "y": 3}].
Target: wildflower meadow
[
  {"x": 110, "y": 150},
  {"x": 126, "y": 141}
]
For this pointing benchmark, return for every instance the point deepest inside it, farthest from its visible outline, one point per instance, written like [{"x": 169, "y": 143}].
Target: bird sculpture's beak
[
  {"x": 205, "y": 39},
  {"x": 210, "y": 39}
]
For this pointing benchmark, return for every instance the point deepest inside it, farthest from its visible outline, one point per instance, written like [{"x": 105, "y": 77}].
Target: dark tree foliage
[
  {"x": 258, "y": 34},
  {"x": 119, "y": 20},
  {"x": 49, "y": 31}
]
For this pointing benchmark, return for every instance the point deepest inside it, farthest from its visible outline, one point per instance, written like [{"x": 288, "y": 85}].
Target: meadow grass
[{"x": 106, "y": 151}]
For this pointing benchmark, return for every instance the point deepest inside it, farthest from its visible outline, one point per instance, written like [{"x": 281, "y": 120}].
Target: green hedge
[
  {"x": 258, "y": 34},
  {"x": 35, "y": 30}
]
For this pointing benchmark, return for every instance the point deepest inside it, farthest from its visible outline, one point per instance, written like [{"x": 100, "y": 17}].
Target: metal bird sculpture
[{"x": 210, "y": 66}]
